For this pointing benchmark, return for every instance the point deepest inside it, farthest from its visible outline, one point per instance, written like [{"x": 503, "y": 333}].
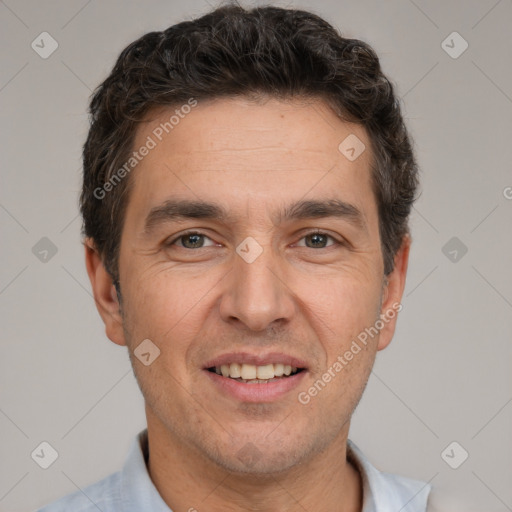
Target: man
[{"x": 247, "y": 185}]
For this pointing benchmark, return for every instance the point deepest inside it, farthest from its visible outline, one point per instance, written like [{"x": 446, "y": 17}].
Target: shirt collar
[
  {"x": 138, "y": 492},
  {"x": 382, "y": 492}
]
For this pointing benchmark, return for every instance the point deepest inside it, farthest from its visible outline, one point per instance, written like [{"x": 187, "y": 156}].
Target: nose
[{"x": 256, "y": 294}]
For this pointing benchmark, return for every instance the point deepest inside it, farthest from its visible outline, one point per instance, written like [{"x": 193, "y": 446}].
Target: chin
[
  {"x": 264, "y": 455},
  {"x": 250, "y": 460}
]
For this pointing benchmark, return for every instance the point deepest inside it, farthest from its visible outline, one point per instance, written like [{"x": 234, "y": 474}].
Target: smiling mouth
[{"x": 252, "y": 374}]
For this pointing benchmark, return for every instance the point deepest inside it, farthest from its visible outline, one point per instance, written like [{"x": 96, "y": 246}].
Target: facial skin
[{"x": 208, "y": 448}]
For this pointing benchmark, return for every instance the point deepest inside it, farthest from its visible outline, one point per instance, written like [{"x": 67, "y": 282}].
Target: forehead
[
  {"x": 229, "y": 125},
  {"x": 248, "y": 154}
]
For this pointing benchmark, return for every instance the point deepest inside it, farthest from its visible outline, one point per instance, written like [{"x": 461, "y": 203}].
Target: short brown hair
[{"x": 232, "y": 51}]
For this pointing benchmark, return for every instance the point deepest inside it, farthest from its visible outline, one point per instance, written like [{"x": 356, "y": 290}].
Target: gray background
[{"x": 446, "y": 377}]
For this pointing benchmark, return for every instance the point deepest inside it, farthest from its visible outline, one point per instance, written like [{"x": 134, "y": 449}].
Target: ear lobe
[
  {"x": 392, "y": 294},
  {"x": 104, "y": 292}
]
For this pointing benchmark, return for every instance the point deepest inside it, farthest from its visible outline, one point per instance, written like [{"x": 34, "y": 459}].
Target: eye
[
  {"x": 197, "y": 240},
  {"x": 191, "y": 240},
  {"x": 318, "y": 240}
]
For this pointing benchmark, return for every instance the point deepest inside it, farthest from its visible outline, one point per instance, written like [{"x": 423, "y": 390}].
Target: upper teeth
[{"x": 251, "y": 371}]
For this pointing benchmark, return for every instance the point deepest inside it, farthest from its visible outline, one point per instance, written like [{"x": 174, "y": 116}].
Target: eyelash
[{"x": 315, "y": 232}]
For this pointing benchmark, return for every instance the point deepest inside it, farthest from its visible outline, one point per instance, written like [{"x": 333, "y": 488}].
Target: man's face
[{"x": 256, "y": 287}]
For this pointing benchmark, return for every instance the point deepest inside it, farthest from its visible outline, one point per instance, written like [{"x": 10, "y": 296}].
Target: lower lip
[{"x": 268, "y": 392}]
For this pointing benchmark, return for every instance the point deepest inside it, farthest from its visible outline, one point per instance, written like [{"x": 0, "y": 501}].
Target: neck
[{"x": 188, "y": 481}]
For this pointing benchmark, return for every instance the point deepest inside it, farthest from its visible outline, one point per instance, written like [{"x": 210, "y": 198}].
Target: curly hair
[{"x": 231, "y": 51}]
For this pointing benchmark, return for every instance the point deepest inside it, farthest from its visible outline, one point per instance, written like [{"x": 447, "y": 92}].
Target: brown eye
[
  {"x": 191, "y": 240},
  {"x": 318, "y": 240}
]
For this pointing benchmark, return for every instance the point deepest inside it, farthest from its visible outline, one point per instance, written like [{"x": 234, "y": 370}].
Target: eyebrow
[{"x": 176, "y": 210}]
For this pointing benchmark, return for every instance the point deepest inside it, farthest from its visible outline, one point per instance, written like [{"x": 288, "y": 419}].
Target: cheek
[
  {"x": 164, "y": 306},
  {"x": 341, "y": 305}
]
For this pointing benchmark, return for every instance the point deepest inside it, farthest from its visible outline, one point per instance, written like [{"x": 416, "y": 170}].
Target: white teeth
[
  {"x": 253, "y": 373},
  {"x": 235, "y": 370},
  {"x": 248, "y": 371},
  {"x": 265, "y": 372},
  {"x": 279, "y": 370}
]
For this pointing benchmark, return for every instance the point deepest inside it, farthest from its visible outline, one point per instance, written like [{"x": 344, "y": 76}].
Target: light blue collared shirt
[{"x": 132, "y": 490}]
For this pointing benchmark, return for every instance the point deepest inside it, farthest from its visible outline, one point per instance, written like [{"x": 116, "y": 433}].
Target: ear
[
  {"x": 104, "y": 293},
  {"x": 393, "y": 292}
]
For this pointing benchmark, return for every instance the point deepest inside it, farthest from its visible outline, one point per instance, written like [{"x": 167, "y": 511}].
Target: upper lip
[{"x": 256, "y": 359}]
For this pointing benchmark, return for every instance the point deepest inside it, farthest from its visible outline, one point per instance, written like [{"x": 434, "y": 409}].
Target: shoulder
[
  {"x": 386, "y": 491},
  {"x": 412, "y": 495},
  {"x": 103, "y": 495}
]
